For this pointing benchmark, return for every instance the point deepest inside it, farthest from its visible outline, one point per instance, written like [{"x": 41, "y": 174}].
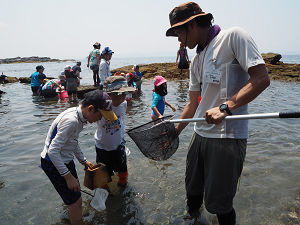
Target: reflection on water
[{"x": 155, "y": 195}]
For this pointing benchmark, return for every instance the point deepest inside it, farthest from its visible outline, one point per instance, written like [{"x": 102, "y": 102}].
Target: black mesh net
[{"x": 157, "y": 139}]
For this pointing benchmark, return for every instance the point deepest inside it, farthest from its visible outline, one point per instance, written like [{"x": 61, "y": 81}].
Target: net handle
[
  {"x": 246, "y": 117},
  {"x": 165, "y": 118}
]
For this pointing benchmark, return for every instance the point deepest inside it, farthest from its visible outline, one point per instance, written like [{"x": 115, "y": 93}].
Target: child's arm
[
  {"x": 168, "y": 104},
  {"x": 57, "y": 86}
]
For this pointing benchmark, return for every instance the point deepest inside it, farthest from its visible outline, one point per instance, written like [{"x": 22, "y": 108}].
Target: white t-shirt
[
  {"x": 110, "y": 134},
  {"x": 104, "y": 71},
  {"x": 222, "y": 68}
]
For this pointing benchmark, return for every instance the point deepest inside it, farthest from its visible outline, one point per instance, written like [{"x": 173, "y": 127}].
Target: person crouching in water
[
  {"x": 71, "y": 80},
  {"x": 159, "y": 102},
  {"x": 49, "y": 88},
  {"x": 61, "y": 146},
  {"x": 109, "y": 136}
]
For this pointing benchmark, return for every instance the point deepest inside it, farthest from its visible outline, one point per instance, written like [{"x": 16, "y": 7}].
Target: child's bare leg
[
  {"x": 154, "y": 117},
  {"x": 76, "y": 212}
]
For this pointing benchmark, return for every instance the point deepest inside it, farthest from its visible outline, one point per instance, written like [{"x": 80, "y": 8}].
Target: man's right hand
[{"x": 72, "y": 182}]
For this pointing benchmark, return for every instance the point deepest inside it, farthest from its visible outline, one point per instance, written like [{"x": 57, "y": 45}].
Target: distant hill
[{"x": 32, "y": 59}]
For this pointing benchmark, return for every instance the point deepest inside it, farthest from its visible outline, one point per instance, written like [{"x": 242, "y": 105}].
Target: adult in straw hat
[{"x": 229, "y": 72}]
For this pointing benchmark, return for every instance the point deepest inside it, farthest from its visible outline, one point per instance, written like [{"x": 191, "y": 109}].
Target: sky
[{"x": 67, "y": 29}]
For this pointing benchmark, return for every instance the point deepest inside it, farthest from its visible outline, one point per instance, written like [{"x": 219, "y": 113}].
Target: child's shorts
[
  {"x": 68, "y": 196},
  {"x": 115, "y": 160}
]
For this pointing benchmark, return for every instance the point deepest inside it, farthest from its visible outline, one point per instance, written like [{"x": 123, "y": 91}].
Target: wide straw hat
[
  {"x": 117, "y": 84},
  {"x": 183, "y": 14}
]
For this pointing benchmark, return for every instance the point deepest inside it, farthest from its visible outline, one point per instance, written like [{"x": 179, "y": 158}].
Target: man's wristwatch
[{"x": 224, "y": 107}]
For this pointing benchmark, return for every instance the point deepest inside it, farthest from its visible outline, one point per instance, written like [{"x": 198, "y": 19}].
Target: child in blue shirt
[
  {"x": 137, "y": 76},
  {"x": 159, "y": 102}
]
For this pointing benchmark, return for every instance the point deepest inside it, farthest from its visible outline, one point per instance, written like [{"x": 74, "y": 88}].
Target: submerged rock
[{"x": 292, "y": 215}]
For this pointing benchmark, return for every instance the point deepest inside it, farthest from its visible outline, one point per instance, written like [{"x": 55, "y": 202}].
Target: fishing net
[{"x": 157, "y": 139}]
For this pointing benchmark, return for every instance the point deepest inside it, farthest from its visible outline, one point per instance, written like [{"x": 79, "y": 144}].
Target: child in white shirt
[{"x": 109, "y": 136}]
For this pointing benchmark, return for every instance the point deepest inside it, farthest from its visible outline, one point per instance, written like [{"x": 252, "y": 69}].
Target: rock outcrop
[
  {"x": 271, "y": 58},
  {"x": 277, "y": 69},
  {"x": 81, "y": 90},
  {"x": 32, "y": 59},
  {"x": 4, "y": 79}
]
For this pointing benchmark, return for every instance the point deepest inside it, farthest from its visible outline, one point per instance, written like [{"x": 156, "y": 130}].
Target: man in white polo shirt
[{"x": 228, "y": 72}]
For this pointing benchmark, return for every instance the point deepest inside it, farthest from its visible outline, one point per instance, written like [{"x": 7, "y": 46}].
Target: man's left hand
[{"x": 214, "y": 116}]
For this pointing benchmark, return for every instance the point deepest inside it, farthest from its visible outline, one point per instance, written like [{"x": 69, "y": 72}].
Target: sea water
[{"x": 269, "y": 186}]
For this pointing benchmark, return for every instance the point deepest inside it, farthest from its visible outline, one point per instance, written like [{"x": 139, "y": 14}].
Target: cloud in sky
[{"x": 68, "y": 28}]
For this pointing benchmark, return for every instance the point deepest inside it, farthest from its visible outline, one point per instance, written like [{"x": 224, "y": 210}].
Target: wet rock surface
[{"x": 81, "y": 90}]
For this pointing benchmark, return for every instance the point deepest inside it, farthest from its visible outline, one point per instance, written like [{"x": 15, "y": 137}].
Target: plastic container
[{"x": 63, "y": 94}]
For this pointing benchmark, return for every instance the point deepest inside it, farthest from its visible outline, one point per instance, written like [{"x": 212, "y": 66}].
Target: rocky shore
[
  {"x": 32, "y": 59},
  {"x": 277, "y": 69}
]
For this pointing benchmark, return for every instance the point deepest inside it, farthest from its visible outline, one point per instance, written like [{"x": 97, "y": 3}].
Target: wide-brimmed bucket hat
[
  {"x": 117, "y": 84},
  {"x": 159, "y": 80},
  {"x": 183, "y": 14}
]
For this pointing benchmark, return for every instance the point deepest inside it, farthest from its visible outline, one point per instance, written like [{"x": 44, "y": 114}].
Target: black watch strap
[{"x": 224, "y": 107}]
